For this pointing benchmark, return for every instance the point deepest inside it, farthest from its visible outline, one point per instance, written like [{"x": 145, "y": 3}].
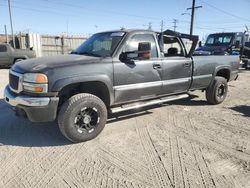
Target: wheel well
[
  {"x": 23, "y": 58},
  {"x": 225, "y": 73},
  {"x": 96, "y": 88}
]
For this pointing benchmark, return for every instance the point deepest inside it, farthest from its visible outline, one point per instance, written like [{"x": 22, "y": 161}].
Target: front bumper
[{"x": 37, "y": 109}]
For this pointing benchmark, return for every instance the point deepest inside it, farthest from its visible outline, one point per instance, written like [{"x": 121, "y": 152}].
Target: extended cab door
[
  {"x": 4, "y": 55},
  {"x": 177, "y": 67},
  {"x": 140, "y": 79}
]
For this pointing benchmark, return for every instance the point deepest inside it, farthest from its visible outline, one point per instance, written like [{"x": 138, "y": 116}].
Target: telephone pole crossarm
[{"x": 194, "y": 7}]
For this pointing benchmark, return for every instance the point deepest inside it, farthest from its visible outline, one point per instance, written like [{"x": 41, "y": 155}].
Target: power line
[
  {"x": 98, "y": 11},
  {"x": 56, "y": 12},
  {"x": 103, "y": 10},
  {"x": 225, "y": 12},
  {"x": 46, "y": 9}
]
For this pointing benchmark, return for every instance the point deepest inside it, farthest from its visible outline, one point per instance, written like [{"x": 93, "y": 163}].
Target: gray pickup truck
[
  {"x": 112, "y": 72},
  {"x": 9, "y": 55}
]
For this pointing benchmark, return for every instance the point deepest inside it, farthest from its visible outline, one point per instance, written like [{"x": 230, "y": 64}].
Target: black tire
[
  {"x": 82, "y": 117},
  {"x": 217, "y": 91}
]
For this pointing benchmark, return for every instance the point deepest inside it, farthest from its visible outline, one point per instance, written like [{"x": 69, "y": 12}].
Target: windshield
[
  {"x": 100, "y": 44},
  {"x": 219, "y": 39}
]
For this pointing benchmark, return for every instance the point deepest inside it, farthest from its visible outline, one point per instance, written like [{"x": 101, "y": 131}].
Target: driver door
[{"x": 140, "y": 79}]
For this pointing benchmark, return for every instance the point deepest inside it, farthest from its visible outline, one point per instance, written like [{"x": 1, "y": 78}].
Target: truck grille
[{"x": 14, "y": 80}]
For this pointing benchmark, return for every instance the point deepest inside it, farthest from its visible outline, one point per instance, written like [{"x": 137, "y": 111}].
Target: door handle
[
  {"x": 187, "y": 64},
  {"x": 157, "y": 66}
]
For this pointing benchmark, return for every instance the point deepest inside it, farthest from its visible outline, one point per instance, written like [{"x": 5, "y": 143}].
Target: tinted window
[
  {"x": 3, "y": 48},
  {"x": 219, "y": 39},
  {"x": 136, "y": 39}
]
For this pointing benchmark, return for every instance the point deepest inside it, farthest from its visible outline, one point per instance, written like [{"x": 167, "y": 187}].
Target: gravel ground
[{"x": 185, "y": 143}]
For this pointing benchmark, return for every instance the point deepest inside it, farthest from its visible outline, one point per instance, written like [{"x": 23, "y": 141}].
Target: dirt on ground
[{"x": 185, "y": 143}]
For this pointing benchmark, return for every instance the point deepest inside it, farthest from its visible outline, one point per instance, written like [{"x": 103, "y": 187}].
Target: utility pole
[
  {"x": 13, "y": 38},
  {"x": 150, "y": 26},
  {"x": 67, "y": 28},
  {"x": 162, "y": 25},
  {"x": 192, "y": 16},
  {"x": 175, "y": 24},
  {"x": 162, "y": 39},
  {"x": 6, "y": 34}
]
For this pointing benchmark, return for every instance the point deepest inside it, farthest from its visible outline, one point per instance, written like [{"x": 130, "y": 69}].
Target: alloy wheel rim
[
  {"x": 87, "y": 120},
  {"x": 221, "y": 90}
]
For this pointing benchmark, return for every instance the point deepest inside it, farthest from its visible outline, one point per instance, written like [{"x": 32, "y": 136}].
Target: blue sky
[{"x": 79, "y": 17}]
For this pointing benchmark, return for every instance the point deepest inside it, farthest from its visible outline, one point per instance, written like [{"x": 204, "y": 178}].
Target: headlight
[
  {"x": 35, "y": 82},
  {"x": 35, "y": 78}
]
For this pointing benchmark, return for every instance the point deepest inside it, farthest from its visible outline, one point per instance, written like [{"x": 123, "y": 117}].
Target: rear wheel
[
  {"x": 217, "y": 91},
  {"x": 82, "y": 117}
]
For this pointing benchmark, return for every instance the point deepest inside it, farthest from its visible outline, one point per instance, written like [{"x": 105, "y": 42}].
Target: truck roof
[
  {"x": 226, "y": 33},
  {"x": 130, "y": 30}
]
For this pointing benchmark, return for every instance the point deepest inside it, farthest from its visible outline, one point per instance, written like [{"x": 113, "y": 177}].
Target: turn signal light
[{"x": 38, "y": 89}]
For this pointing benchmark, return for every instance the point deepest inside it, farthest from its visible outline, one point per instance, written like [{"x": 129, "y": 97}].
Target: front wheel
[
  {"x": 217, "y": 91},
  {"x": 82, "y": 117}
]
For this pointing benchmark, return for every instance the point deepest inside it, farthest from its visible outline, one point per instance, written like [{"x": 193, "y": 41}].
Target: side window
[
  {"x": 3, "y": 48},
  {"x": 138, "y": 38},
  {"x": 172, "y": 47}
]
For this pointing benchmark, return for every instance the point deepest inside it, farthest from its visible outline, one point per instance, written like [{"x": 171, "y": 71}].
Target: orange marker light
[{"x": 38, "y": 89}]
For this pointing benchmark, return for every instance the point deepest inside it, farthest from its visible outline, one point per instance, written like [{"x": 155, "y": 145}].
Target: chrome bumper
[{"x": 24, "y": 100}]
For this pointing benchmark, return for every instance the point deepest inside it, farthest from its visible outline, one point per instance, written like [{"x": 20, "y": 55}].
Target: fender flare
[
  {"x": 219, "y": 68},
  {"x": 61, "y": 83}
]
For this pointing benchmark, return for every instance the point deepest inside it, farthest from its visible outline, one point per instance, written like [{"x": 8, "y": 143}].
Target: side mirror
[
  {"x": 143, "y": 53},
  {"x": 128, "y": 57}
]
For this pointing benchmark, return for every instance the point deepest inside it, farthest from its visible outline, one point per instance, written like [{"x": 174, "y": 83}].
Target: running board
[{"x": 147, "y": 103}]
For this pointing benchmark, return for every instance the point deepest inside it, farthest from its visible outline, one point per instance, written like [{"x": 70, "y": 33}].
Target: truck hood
[
  {"x": 23, "y": 50},
  {"x": 210, "y": 50},
  {"x": 46, "y": 63},
  {"x": 25, "y": 53}
]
